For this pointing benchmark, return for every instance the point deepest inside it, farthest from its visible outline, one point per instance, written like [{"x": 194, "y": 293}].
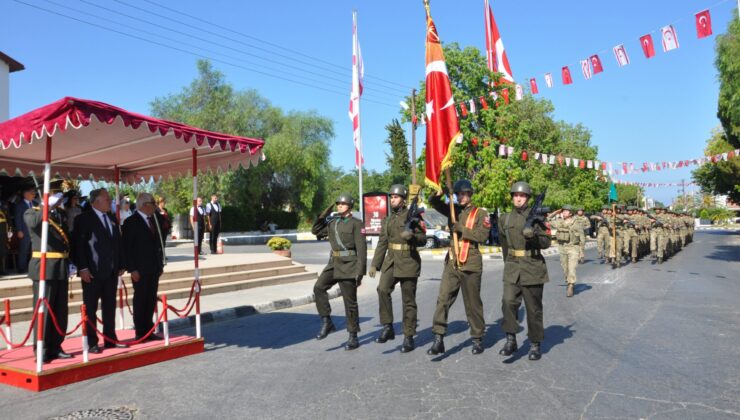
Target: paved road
[{"x": 644, "y": 341}]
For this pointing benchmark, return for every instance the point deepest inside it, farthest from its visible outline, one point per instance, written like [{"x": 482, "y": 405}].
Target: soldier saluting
[
  {"x": 399, "y": 262},
  {"x": 525, "y": 272},
  {"x": 463, "y": 267},
  {"x": 347, "y": 264}
]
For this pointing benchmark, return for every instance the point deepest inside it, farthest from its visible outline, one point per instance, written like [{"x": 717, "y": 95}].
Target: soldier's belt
[
  {"x": 37, "y": 254},
  {"x": 400, "y": 247},
  {"x": 523, "y": 252},
  {"x": 348, "y": 253}
]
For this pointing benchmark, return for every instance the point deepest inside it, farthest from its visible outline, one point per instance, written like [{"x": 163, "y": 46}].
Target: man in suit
[
  {"x": 56, "y": 277},
  {"x": 144, "y": 259},
  {"x": 213, "y": 211},
  {"x": 97, "y": 255},
  {"x": 24, "y": 245},
  {"x": 200, "y": 218}
]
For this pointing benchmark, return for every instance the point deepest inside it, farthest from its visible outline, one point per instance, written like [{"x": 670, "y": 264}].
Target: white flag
[
  {"x": 586, "y": 68},
  {"x": 472, "y": 106},
  {"x": 621, "y": 54},
  {"x": 670, "y": 39},
  {"x": 548, "y": 79},
  {"x": 552, "y": 159},
  {"x": 519, "y": 92}
]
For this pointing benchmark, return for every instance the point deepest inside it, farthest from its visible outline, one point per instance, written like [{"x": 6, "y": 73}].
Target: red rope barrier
[
  {"x": 28, "y": 333},
  {"x": 56, "y": 325},
  {"x": 190, "y": 298},
  {"x": 178, "y": 312},
  {"x": 140, "y": 340},
  {"x": 125, "y": 292}
]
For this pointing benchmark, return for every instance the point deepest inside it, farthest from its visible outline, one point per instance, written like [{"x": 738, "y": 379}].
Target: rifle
[
  {"x": 414, "y": 215},
  {"x": 536, "y": 215}
]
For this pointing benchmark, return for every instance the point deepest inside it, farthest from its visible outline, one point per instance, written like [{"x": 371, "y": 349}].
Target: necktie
[
  {"x": 105, "y": 223},
  {"x": 152, "y": 229}
]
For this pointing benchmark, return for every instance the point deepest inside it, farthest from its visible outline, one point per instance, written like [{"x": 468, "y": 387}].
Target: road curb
[{"x": 246, "y": 310}]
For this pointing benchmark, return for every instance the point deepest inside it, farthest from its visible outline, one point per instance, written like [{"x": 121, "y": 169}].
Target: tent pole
[
  {"x": 117, "y": 180},
  {"x": 196, "y": 250},
  {"x": 42, "y": 266}
]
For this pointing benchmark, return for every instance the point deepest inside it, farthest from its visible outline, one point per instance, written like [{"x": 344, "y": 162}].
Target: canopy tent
[
  {"x": 140, "y": 146},
  {"x": 117, "y": 145}
]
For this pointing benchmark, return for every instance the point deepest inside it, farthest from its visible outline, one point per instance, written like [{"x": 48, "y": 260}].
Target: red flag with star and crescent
[{"x": 443, "y": 129}]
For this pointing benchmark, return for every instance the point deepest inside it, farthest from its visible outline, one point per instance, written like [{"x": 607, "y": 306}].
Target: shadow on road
[{"x": 725, "y": 253}]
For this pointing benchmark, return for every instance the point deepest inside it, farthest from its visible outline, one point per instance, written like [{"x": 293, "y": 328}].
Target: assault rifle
[
  {"x": 414, "y": 215},
  {"x": 536, "y": 215}
]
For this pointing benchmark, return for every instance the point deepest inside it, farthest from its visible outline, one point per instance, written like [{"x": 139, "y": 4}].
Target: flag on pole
[
  {"x": 533, "y": 86},
  {"x": 495, "y": 53},
  {"x": 647, "y": 45},
  {"x": 586, "y": 69},
  {"x": 612, "y": 192},
  {"x": 354, "y": 99},
  {"x": 703, "y": 24},
  {"x": 621, "y": 54},
  {"x": 443, "y": 129},
  {"x": 670, "y": 38},
  {"x": 548, "y": 80},
  {"x": 566, "y": 76},
  {"x": 596, "y": 64}
]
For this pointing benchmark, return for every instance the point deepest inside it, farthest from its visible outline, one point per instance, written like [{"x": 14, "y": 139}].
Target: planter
[{"x": 282, "y": 252}]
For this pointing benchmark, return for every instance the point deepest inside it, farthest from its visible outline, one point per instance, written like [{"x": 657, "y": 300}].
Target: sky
[{"x": 298, "y": 55}]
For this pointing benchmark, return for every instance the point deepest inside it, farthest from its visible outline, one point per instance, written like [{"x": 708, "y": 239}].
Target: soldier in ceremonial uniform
[
  {"x": 463, "y": 267},
  {"x": 602, "y": 232},
  {"x": 569, "y": 234},
  {"x": 56, "y": 283},
  {"x": 525, "y": 272},
  {"x": 347, "y": 265},
  {"x": 398, "y": 260},
  {"x": 583, "y": 221}
]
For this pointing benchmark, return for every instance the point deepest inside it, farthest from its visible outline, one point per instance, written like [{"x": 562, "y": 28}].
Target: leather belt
[
  {"x": 400, "y": 247},
  {"x": 37, "y": 254},
  {"x": 523, "y": 252},
  {"x": 348, "y": 253}
]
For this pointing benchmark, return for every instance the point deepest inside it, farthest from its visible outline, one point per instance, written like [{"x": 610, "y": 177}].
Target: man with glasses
[{"x": 347, "y": 264}]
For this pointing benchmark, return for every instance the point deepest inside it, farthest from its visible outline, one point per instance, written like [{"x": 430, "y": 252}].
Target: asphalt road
[{"x": 643, "y": 341}]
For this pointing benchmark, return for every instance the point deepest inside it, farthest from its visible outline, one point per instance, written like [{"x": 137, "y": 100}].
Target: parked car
[{"x": 437, "y": 234}]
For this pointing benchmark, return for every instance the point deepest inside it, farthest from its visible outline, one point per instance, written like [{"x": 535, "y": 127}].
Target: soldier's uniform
[
  {"x": 398, "y": 260},
  {"x": 584, "y": 224},
  {"x": 463, "y": 269},
  {"x": 631, "y": 237},
  {"x": 602, "y": 232},
  {"x": 569, "y": 236},
  {"x": 3, "y": 240},
  {"x": 346, "y": 266},
  {"x": 525, "y": 274},
  {"x": 56, "y": 285}
]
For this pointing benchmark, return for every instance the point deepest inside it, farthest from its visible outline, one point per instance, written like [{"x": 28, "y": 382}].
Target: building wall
[{"x": 4, "y": 91}]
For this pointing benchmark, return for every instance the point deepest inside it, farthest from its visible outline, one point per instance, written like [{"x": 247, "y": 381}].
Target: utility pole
[{"x": 413, "y": 136}]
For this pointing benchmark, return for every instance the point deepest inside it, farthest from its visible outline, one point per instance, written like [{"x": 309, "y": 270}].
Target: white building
[{"x": 7, "y": 65}]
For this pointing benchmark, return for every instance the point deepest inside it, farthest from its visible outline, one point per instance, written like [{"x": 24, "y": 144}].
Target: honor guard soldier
[
  {"x": 569, "y": 234},
  {"x": 347, "y": 264},
  {"x": 583, "y": 221},
  {"x": 463, "y": 267},
  {"x": 398, "y": 260},
  {"x": 56, "y": 275},
  {"x": 525, "y": 272}
]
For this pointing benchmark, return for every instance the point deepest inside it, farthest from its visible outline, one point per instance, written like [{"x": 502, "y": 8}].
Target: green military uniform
[
  {"x": 398, "y": 261},
  {"x": 602, "y": 232},
  {"x": 347, "y": 263},
  {"x": 56, "y": 285},
  {"x": 465, "y": 275},
  {"x": 569, "y": 234},
  {"x": 584, "y": 224}
]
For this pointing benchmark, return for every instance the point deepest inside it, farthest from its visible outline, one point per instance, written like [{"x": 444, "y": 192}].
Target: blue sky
[{"x": 652, "y": 110}]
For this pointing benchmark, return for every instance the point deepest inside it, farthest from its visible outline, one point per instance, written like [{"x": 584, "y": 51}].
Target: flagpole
[{"x": 356, "y": 88}]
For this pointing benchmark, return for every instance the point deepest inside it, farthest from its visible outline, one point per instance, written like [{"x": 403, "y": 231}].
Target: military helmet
[
  {"x": 579, "y": 208},
  {"x": 346, "y": 198},
  {"x": 606, "y": 207},
  {"x": 568, "y": 207},
  {"x": 521, "y": 187},
  {"x": 398, "y": 189},
  {"x": 463, "y": 185},
  {"x": 631, "y": 208}
]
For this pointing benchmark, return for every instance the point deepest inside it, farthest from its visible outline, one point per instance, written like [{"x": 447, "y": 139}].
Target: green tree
[
  {"x": 728, "y": 66},
  {"x": 399, "y": 164},
  {"x": 722, "y": 177}
]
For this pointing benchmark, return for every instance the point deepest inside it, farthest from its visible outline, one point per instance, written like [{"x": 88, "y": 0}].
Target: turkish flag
[
  {"x": 505, "y": 94},
  {"x": 669, "y": 38},
  {"x": 566, "y": 76},
  {"x": 647, "y": 45},
  {"x": 443, "y": 129},
  {"x": 596, "y": 64},
  {"x": 533, "y": 86},
  {"x": 703, "y": 24}
]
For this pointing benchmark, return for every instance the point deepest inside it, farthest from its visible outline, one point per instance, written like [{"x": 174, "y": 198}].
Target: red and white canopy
[{"x": 140, "y": 146}]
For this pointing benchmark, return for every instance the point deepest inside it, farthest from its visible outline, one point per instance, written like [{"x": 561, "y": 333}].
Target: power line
[{"x": 182, "y": 50}]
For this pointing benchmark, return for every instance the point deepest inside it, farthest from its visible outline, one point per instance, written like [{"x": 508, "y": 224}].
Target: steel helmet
[
  {"x": 398, "y": 189},
  {"x": 568, "y": 207},
  {"x": 346, "y": 198},
  {"x": 521, "y": 187},
  {"x": 463, "y": 185}
]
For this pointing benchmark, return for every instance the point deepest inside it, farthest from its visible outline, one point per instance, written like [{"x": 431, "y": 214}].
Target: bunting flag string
[{"x": 655, "y": 184}]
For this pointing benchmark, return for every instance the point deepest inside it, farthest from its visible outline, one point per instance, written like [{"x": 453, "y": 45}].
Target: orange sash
[{"x": 465, "y": 247}]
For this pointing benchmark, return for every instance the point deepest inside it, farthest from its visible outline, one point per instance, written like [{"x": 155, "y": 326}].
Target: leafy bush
[{"x": 277, "y": 243}]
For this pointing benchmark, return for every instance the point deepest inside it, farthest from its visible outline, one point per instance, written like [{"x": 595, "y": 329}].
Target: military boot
[
  {"x": 634, "y": 260},
  {"x": 326, "y": 327},
  {"x": 534, "y": 352},
  {"x": 387, "y": 334},
  {"x": 569, "y": 290},
  {"x": 408, "y": 344},
  {"x": 438, "y": 346},
  {"x": 477, "y": 346},
  {"x": 510, "y": 346},
  {"x": 352, "y": 342}
]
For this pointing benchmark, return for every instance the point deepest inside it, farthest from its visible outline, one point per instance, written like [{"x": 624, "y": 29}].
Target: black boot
[
  {"x": 534, "y": 352},
  {"x": 352, "y": 342},
  {"x": 326, "y": 327},
  {"x": 438, "y": 346},
  {"x": 510, "y": 346},
  {"x": 387, "y": 334},
  {"x": 477, "y": 346},
  {"x": 408, "y": 344}
]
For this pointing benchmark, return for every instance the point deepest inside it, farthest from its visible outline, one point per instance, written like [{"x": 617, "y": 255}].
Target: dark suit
[
  {"x": 24, "y": 245},
  {"x": 213, "y": 211},
  {"x": 142, "y": 249},
  {"x": 98, "y": 249},
  {"x": 57, "y": 272}
]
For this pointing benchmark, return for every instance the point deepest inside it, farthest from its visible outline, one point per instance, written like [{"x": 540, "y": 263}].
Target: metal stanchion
[
  {"x": 165, "y": 326},
  {"x": 85, "y": 344},
  {"x": 8, "y": 330}
]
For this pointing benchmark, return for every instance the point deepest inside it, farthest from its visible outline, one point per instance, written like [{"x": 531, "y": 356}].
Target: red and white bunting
[
  {"x": 548, "y": 80},
  {"x": 596, "y": 64},
  {"x": 669, "y": 38},
  {"x": 620, "y": 53},
  {"x": 586, "y": 69},
  {"x": 646, "y": 41},
  {"x": 703, "y": 24}
]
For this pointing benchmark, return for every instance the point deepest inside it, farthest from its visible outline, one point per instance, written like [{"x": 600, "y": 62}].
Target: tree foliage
[
  {"x": 399, "y": 164},
  {"x": 721, "y": 177},
  {"x": 728, "y": 66}
]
